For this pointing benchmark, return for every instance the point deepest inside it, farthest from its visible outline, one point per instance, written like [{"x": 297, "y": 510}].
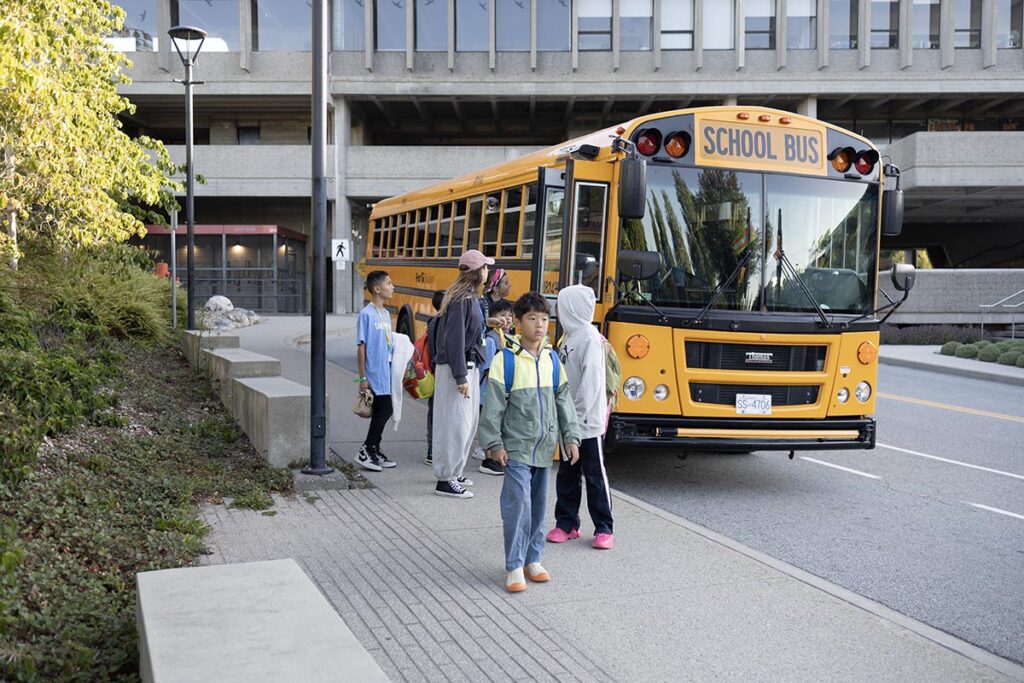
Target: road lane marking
[
  {"x": 947, "y": 406},
  {"x": 991, "y": 509},
  {"x": 840, "y": 467},
  {"x": 952, "y": 462}
]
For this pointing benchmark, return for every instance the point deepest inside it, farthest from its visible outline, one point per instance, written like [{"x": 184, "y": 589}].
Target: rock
[{"x": 218, "y": 304}]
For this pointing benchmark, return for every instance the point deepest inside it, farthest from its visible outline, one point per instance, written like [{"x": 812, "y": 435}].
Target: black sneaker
[
  {"x": 367, "y": 459},
  {"x": 464, "y": 481},
  {"x": 489, "y": 466},
  {"x": 385, "y": 462},
  {"x": 451, "y": 489},
  {"x": 429, "y": 460}
]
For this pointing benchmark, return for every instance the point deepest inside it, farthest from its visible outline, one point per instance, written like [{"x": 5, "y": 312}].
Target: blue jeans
[{"x": 524, "y": 502}]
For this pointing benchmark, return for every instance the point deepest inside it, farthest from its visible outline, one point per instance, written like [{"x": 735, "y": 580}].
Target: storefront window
[
  {"x": 219, "y": 18},
  {"x": 595, "y": 24},
  {"x": 635, "y": 20},
  {"x": 885, "y": 24},
  {"x": 801, "y": 24},
  {"x": 513, "y": 29},
  {"x": 1008, "y": 23},
  {"x": 926, "y": 24},
  {"x": 676, "y": 24},
  {"x": 554, "y": 22},
  {"x": 842, "y": 24},
  {"x": 390, "y": 25},
  {"x": 759, "y": 25},
  {"x": 431, "y": 26},
  {"x": 139, "y": 31},
  {"x": 471, "y": 32},
  {"x": 281, "y": 25},
  {"x": 347, "y": 25},
  {"x": 718, "y": 24}
]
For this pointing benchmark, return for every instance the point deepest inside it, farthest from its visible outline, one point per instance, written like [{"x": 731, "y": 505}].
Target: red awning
[{"x": 208, "y": 229}]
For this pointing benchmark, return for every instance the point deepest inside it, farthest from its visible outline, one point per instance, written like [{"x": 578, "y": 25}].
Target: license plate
[{"x": 753, "y": 404}]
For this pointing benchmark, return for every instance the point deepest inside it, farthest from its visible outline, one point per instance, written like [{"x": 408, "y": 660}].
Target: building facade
[{"x": 421, "y": 90}]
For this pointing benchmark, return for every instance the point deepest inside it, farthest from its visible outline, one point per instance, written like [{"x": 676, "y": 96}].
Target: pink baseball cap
[{"x": 474, "y": 260}]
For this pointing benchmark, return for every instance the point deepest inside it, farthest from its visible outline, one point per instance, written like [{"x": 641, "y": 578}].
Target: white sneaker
[
  {"x": 515, "y": 582},
  {"x": 479, "y": 453}
]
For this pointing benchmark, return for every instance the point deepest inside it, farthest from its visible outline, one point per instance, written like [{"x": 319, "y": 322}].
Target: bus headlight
[
  {"x": 634, "y": 388},
  {"x": 661, "y": 392},
  {"x": 862, "y": 392},
  {"x": 843, "y": 395}
]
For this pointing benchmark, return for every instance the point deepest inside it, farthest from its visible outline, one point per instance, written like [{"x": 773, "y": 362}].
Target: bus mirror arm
[
  {"x": 625, "y": 294},
  {"x": 888, "y": 309},
  {"x": 903, "y": 277}
]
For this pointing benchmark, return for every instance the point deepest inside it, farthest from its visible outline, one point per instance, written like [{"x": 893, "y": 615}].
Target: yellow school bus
[{"x": 733, "y": 252}]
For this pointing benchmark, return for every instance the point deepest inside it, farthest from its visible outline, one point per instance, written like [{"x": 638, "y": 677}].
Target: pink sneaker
[
  {"x": 556, "y": 535},
  {"x": 604, "y": 541}
]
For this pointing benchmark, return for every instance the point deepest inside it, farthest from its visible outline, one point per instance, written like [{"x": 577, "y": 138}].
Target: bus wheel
[{"x": 405, "y": 325}]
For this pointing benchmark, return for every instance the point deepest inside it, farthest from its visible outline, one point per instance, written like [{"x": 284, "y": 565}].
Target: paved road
[
  {"x": 900, "y": 528},
  {"x": 906, "y": 530}
]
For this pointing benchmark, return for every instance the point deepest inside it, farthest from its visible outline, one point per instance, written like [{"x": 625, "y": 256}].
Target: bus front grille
[
  {"x": 718, "y": 356},
  {"x": 725, "y": 394}
]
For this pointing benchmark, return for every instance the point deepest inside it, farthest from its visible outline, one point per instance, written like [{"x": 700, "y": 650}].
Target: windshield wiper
[
  {"x": 784, "y": 264},
  {"x": 720, "y": 289}
]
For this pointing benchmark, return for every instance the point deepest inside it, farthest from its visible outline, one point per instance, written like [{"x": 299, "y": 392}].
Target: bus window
[
  {"x": 375, "y": 238},
  {"x": 419, "y": 228},
  {"x": 430, "y": 237},
  {"x": 510, "y": 223},
  {"x": 444, "y": 231},
  {"x": 529, "y": 221},
  {"x": 399, "y": 241},
  {"x": 492, "y": 212},
  {"x": 591, "y": 203},
  {"x": 458, "y": 228},
  {"x": 474, "y": 222},
  {"x": 389, "y": 234},
  {"x": 553, "y": 233}
]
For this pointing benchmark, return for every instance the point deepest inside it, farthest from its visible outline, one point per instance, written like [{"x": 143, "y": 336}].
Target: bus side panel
[{"x": 657, "y": 367}]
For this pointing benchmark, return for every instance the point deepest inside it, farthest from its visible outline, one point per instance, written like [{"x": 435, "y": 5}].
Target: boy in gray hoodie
[{"x": 582, "y": 353}]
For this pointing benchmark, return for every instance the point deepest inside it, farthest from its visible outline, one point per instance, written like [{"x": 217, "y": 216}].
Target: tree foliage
[{"x": 78, "y": 178}]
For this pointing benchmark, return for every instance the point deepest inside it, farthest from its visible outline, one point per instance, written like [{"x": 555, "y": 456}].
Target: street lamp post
[{"x": 188, "y": 41}]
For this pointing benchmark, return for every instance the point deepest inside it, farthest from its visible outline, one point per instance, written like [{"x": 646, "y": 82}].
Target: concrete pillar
[
  {"x": 906, "y": 34},
  {"x": 698, "y": 34},
  {"x": 808, "y": 107},
  {"x": 492, "y": 38},
  {"x": 947, "y": 33},
  {"x": 781, "y": 15},
  {"x": 656, "y": 34},
  {"x": 575, "y": 36},
  {"x": 369, "y": 9},
  {"x": 342, "y": 227},
  {"x": 864, "y": 35},
  {"x": 410, "y": 36},
  {"x": 245, "y": 26},
  {"x": 451, "y": 35},
  {"x": 533, "y": 35},
  {"x": 168, "y": 58},
  {"x": 988, "y": 33},
  {"x": 824, "y": 46},
  {"x": 739, "y": 35},
  {"x": 616, "y": 42},
  {"x": 729, "y": 101}
]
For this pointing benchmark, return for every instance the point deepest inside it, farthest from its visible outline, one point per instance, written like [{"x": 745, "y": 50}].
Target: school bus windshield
[{"x": 704, "y": 221}]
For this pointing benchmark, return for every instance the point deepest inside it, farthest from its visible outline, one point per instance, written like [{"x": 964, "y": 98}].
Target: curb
[{"x": 949, "y": 370}]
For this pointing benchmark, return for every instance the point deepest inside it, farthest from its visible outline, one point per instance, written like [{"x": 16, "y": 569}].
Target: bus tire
[{"x": 405, "y": 323}]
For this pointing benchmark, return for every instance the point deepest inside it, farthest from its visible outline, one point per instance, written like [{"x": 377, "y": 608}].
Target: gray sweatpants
[{"x": 455, "y": 421}]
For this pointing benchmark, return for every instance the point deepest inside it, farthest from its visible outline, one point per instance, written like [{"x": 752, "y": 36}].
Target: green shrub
[
  {"x": 989, "y": 353},
  {"x": 949, "y": 348},
  {"x": 1003, "y": 346},
  {"x": 982, "y": 343},
  {"x": 928, "y": 334},
  {"x": 1020, "y": 361},
  {"x": 1009, "y": 357},
  {"x": 967, "y": 351}
]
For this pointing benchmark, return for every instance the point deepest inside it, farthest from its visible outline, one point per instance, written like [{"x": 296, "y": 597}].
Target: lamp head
[{"x": 188, "y": 41}]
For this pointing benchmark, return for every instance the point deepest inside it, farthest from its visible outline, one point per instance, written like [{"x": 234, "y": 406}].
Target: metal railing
[
  {"x": 1004, "y": 303},
  {"x": 263, "y": 295}
]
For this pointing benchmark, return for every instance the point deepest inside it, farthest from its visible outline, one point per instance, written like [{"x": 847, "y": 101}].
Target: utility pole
[{"x": 318, "y": 312}]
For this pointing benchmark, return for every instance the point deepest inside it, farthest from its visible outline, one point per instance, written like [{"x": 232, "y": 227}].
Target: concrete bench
[
  {"x": 194, "y": 341},
  {"x": 252, "y": 622},
  {"x": 228, "y": 364},
  {"x": 274, "y": 412}
]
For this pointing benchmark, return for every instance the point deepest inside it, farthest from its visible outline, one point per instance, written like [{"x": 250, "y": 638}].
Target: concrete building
[{"x": 425, "y": 89}]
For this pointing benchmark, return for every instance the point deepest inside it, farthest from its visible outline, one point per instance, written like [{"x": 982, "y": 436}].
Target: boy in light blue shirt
[{"x": 376, "y": 342}]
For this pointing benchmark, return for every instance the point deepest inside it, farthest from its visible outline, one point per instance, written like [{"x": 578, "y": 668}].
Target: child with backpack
[
  {"x": 494, "y": 342},
  {"x": 583, "y": 352},
  {"x": 527, "y": 407}
]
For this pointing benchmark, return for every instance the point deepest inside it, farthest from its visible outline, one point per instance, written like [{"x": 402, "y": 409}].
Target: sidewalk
[
  {"x": 929, "y": 358},
  {"x": 419, "y": 580}
]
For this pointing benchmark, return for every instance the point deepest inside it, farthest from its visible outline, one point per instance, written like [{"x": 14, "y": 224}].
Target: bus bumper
[{"x": 703, "y": 434}]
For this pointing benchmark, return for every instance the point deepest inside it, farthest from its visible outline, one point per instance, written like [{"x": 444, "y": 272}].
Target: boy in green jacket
[{"x": 527, "y": 407}]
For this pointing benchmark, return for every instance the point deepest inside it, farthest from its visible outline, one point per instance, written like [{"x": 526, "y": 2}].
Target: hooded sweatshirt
[{"x": 582, "y": 354}]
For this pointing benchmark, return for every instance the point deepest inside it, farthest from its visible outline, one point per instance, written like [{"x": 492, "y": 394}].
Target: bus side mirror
[
  {"x": 638, "y": 265},
  {"x": 892, "y": 213},
  {"x": 632, "y": 188},
  {"x": 903, "y": 276}
]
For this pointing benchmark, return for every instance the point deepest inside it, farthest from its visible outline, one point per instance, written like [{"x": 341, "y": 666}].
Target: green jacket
[{"x": 527, "y": 423}]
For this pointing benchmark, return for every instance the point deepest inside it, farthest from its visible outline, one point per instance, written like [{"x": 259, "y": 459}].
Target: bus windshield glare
[{"x": 704, "y": 221}]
